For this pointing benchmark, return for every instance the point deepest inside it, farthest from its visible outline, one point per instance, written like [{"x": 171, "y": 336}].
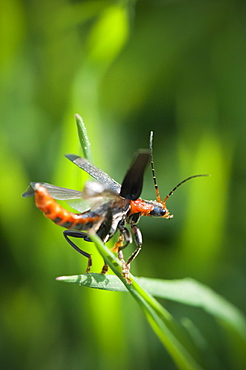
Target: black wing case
[
  {"x": 132, "y": 184},
  {"x": 95, "y": 172}
]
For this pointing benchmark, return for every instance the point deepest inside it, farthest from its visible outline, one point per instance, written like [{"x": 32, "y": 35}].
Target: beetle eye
[{"x": 158, "y": 212}]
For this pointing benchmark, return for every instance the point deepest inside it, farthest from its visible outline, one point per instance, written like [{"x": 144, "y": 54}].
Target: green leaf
[
  {"x": 185, "y": 291},
  {"x": 173, "y": 336},
  {"x": 83, "y": 138},
  {"x": 96, "y": 281}
]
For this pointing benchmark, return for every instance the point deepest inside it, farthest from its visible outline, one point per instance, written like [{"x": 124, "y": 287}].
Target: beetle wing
[
  {"x": 95, "y": 172},
  {"x": 55, "y": 192},
  {"x": 72, "y": 197},
  {"x": 96, "y": 194},
  {"x": 132, "y": 184},
  {"x": 93, "y": 195}
]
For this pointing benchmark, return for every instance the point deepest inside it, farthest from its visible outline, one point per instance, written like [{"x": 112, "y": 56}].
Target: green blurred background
[{"x": 127, "y": 67}]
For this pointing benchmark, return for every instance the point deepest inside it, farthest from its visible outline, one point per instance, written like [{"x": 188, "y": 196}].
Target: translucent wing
[
  {"x": 93, "y": 195},
  {"x": 96, "y": 194},
  {"x": 55, "y": 191},
  {"x": 95, "y": 172},
  {"x": 72, "y": 197}
]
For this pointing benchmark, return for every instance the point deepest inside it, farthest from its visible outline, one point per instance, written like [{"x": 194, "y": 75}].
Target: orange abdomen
[{"x": 55, "y": 212}]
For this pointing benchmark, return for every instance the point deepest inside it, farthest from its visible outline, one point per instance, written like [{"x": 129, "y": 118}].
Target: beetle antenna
[
  {"x": 158, "y": 197},
  {"x": 177, "y": 186}
]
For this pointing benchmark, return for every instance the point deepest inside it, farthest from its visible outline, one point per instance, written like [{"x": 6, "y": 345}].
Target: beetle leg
[
  {"x": 77, "y": 234},
  {"x": 125, "y": 267},
  {"x": 118, "y": 244},
  {"x": 137, "y": 236},
  {"x": 138, "y": 241},
  {"x": 104, "y": 269},
  {"x": 125, "y": 235}
]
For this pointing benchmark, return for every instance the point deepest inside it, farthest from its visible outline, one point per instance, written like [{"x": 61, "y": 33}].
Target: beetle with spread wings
[{"x": 105, "y": 206}]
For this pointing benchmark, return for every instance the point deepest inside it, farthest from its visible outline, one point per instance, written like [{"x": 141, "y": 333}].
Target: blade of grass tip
[
  {"x": 186, "y": 291},
  {"x": 171, "y": 334},
  {"x": 83, "y": 138},
  {"x": 95, "y": 281}
]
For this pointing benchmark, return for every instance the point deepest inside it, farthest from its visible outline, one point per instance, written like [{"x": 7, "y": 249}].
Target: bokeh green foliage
[{"x": 177, "y": 68}]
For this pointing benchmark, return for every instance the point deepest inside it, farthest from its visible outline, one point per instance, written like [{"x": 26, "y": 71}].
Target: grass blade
[
  {"x": 83, "y": 138},
  {"x": 171, "y": 333},
  {"x": 186, "y": 291}
]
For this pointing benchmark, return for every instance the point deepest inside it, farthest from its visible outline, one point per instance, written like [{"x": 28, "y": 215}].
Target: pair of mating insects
[{"x": 106, "y": 206}]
